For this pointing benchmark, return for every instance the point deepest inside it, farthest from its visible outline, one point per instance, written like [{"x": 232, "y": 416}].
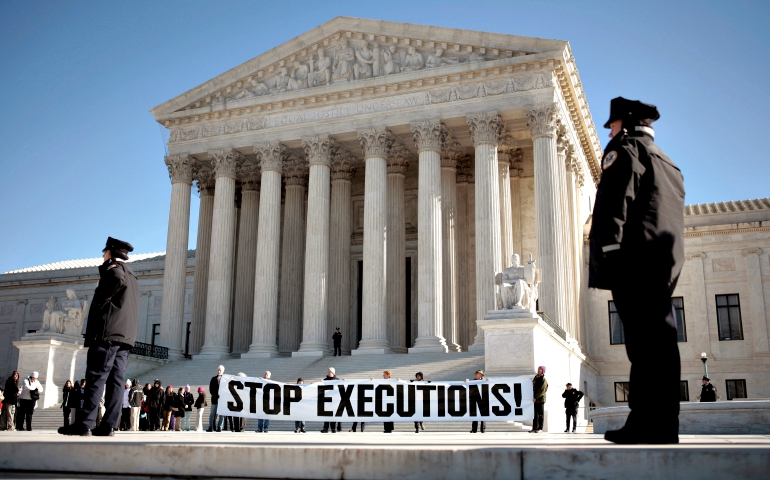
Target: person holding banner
[
  {"x": 299, "y": 425},
  {"x": 200, "y": 404},
  {"x": 331, "y": 375},
  {"x": 478, "y": 375},
  {"x": 388, "y": 426},
  {"x": 214, "y": 392},
  {"x": 263, "y": 424},
  {"x": 539, "y": 387},
  {"x": 418, "y": 377}
]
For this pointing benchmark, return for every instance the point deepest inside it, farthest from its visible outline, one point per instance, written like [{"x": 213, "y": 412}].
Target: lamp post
[{"x": 704, "y": 359}]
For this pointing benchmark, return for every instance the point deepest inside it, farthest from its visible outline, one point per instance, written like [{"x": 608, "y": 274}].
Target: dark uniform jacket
[
  {"x": 708, "y": 393},
  {"x": 637, "y": 229},
  {"x": 114, "y": 312},
  {"x": 214, "y": 390},
  {"x": 337, "y": 338},
  {"x": 539, "y": 387},
  {"x": 571, "y": 400}
]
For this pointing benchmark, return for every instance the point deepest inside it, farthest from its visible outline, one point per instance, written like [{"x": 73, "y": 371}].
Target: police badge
[{"x": 609, "y": 159}]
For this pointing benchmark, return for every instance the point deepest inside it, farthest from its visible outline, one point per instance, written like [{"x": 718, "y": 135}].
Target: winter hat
[
  {"x": 187, "y": 388},
  {"x": 200, "y": 390},
  {"x": 331, "y": 369},
  {"x": 35, "y": 375},
  {"x": 128, "y": 383},
  {"x": 543, "y": 367}
]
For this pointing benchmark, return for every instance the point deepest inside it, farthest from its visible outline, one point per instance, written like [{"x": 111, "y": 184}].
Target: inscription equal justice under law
[{"x": 338, "y": 111}]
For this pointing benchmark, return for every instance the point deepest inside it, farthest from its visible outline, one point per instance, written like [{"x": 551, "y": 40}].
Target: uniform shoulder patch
[{"x": 609, "y": 159}]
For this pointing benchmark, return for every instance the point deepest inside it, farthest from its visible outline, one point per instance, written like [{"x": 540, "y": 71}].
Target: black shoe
[
  {"x": 482, "y": 431},
  {"x": 416, "y": 430},
  {"x": 219, "y": 429},
  {"x": 334, "y": 431},
  {"x": 303, "y": 431},
  {"x": 75, "y": 430},
  {"x": 627, "y": 436},
  {"x": 473, "y": 431},
  {"x": 325, "y": 431},
  {"x": 103, "y": 432},
  {"x": 567, "y": 430},
  {"x": 573, "y": 431},
  {"x": 209, "y": 430},
  {"x": 265, "y": 430}
]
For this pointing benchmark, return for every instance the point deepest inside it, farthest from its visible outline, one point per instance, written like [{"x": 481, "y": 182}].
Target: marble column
[
  {"x": 205, "y": 181},
  {"x": 449, "y": 255},
  {"x": 216, "y": 342},
  {"x": 429, "y": 136},
  {"x": 246, "y": 259},
  {"x": 486, "y": 128},
  {"x": 542, "y": 121},
  {"x": 504, "y": 157},
  {"x": 292, "y": 255},
  {"x": 756, "y": 298},
  {"x": 265, "y": 319},
  {"x": 697, "y": 311},
  {"x": 515, "y": 173},
  {"x": 574, "y": 182},
  {"x": 398, "y": 162},
  {"x": 319, "y": 151},
  {"x": 565, "y": 230},
  {"x": 376, "y": 143},
  {"x": 462, "y": 246},
  {"x": 343, "y": 169},
  {"x": 180, "y": 170}
]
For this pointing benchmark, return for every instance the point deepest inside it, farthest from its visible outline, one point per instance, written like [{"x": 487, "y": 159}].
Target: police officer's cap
[
  {"x": 118, "y": 247},
  {"x": 624, "y": 109},
  {"x": 706, "y": 378}
]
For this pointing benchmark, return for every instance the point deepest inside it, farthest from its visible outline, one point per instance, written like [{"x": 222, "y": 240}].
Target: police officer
[
  {"x": 113, "y": 320},
  {"x": 637, "y": 252},
  {"x": 337, "y": 339},
  {"x": 708, "y": 393}
]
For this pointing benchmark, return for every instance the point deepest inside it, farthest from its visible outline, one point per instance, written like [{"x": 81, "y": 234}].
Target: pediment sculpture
[
  {"x": 65, "y": 317},
  {"x": 518, "y": 285}
]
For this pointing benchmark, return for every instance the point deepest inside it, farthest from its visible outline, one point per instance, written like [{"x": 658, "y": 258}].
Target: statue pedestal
[
  {"x": 56, "y": 357},
  {"x": 517, "y": 341}
]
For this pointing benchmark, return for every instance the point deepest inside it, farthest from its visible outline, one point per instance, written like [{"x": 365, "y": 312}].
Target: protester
[
  {"x": 539, "y": 387},
  {"x": 30, "y": 393},
  {"x": 418, "y": 377},
  {"x": 571, "y": 400},
  {"x": 66, "y": 400},
  {"x": 299, "y": 425},
  {"x": 387, "y": 426},
  {"x": 188, "y": 401},
  {"x": 263, "y": 424},
  {"x": 113, "y": 320},
  {"x": 478, "y": 375},
  {"x": 200, "y": 405},
  {"x": 156, "y": 400},
  {"x": 331, "y": 375},
  {"x": 337, "y": 339},
  {"x": 135, "y": 402},
  {"x": 125, "y": 414},
  {"x": 179, "y": 412},
  {"x": 214, "y": 392},
  {"x": 168, "y": 406},
  {"x": 144, "y": 416},
  {"x": 708, "y": 392}
]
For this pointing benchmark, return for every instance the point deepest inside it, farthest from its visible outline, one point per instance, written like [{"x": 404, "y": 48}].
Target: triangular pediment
[{"x": 347, "y": 50}]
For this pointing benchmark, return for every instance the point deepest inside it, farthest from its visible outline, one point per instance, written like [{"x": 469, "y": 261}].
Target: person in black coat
[
  {"x": 214, "y": 392},
  {"x": 637, "y": 252},
  {"x": 337, "y": 339},
  {"x": 708, "y": 392},
  {"x": 155, "y": 401},
  {"x": 68, "y": 398},
  {"x": 11, "y": 392},
  {"x": 331, "y": 376},
  {"x": 571, "y": 398},
  {"x": 113, "y": 320}
]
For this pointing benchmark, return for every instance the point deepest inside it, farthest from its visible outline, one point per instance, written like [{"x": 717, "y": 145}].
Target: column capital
[
  {"x": 542, "y": 120},
  {"x": 343, "y": 165},
  {"x": 205, "y": 182},
  {"x": 319, "y": 149},
  {"x": 690, "y": 256},
  {"x": 271, "y": 156},
  {"x": 375, "y": 142},
  {"x": 451, "y": 153},
  {"x": 181, "y": 168},
  {"x": 398, "y": 159},
  {"x": 429, "y": 135},
  {"x": 751, "y": 251},
  {"x": 465, "y": 170},
  {"x": 295, "y": 170},
  {"x": 485, "y": 127},
  {"x": 517, "y": 156},
  {"x": 563, "y": 142},
  {"x": 505, "y": 149},
  {"x": 226, "y": 161},
  {"x": 250, "y": 177}
]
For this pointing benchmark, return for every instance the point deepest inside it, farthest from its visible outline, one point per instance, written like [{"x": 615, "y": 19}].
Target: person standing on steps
[
  {"x": 125, "y": 414},
  {"x": 331, "y": 376},
  {"x": 200, "y": 405},
  {"x": 11, "y": 392},
  {"x": 135, "y": 400},
  {"x": 337, "y": 339},
  {"x": 66, "y": 401},
  {"x": 264, "y": 423},
  {"x": 478, "y": 375},
  {"x": 418, "y": 377},
  {"x": 636, "y": 248},
  {"x": 539, "y": 387},
  {"x": 299, "y": 425},
  {"x": 708, "y": 393},
  {"x": 30, "y": 394},
  {"x": 388, "y": 426},
  {"x": 214, "y": 392},
  {"x": 155, "y": 401},
  {"x": 571, "y": 400}
]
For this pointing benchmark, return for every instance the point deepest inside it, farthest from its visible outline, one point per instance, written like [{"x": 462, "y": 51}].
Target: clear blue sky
[{"x": 83, "y": 159}]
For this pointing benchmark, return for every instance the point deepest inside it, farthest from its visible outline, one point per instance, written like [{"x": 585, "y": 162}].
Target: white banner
[{"x": 498, "y": 400}]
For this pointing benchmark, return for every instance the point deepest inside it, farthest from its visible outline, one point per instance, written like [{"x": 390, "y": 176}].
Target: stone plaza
[{"x": 428, "y": 191}]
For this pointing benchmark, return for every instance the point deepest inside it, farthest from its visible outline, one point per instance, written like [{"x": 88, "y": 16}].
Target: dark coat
[
  {"x": 135, "y": 397},
  {"x": 67, "y": 397},
  {"x": 156, "y": 398},
  {"x": 179, "y": 405},
  {"x": 708, "y": 393},
  {"x": 169, "y": 401},
  {"x": 11, "y": 392},
  {"x": 539, "y": 387},
  {"x": 637, "y": 227},
  {"x": 114, "y": 312},
  {"x": 337, "y": 338},
  {"x": 78, "y": 394},
  {"x": 188, "y": 401},
  {"x": 571, "y": 400},
  {"x": 200, "y": 402},
  {"x": 214, "y": 390}
]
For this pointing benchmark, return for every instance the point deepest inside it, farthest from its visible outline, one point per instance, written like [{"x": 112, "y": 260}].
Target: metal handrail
[
  {"x": 556, "y": 328},
  {"x": 148, "y": 350}
]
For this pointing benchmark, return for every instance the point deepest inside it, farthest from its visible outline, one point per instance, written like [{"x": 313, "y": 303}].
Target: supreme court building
[{"x": 375, "y": 176}]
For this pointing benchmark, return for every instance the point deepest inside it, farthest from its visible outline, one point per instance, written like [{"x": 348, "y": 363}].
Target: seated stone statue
[
  {"x": 518, "y": 285},
  {"x": 68, "y": 318}
]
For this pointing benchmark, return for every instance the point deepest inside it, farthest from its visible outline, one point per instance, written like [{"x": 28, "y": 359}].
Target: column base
[
  {"x": 261, "y": 350},
  {"x": 372, "y": 347},
  {"x": 212, "y": 352},
  {"x": 175, "y": 355},
  {"x": 310, "y": 353},
  {"x": 429, "y": 345},
  {"x": 454, "y": 348},
  {"x": 399, "y": 349}
]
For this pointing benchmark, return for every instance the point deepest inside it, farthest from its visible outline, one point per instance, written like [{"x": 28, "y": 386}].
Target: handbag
[{"x": 34, "y": 395}]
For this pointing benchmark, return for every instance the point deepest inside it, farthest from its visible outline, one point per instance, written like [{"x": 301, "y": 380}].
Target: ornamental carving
[
  {"x": 485, "y": 127},
  {"x": 204, "y": 179},
  {"x": 465, "y": 169},
  {"x": 723, "y": 264},
  {"x": 295, "y": 170},
  {"x": 250, "y": 177},
  {"x": 451, "y": 153},
  {"x": 271, "y": 156},
  {"x": 343, "y": 165},
  {"x": 751, "y": 251},
  {"x": 429, "y": 135},
  {"x": 319, "y": 149},
  {"x": 375, "y": 142},
  {"x": 226, "y": 162},
  {"x": 519, "y": 83},
  {"x": 690, "y": 256},
  {"x": 505, "y": 149},
  {"x": 398, "y": 159},
  {"x": 180, "y": 168},
  {"x": 542, "y": 120}
]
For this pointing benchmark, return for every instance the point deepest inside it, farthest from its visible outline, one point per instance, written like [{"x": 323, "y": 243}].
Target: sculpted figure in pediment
[
  {"x": 281, "y": 81},
  {"x": 376, "y": 60},
  {"x": 392, "y": 61},
  {"x": 343, "y": 61},
  {"x": 365, "y": 59},
  {"x": 436, "y": 59},
  {"x": 299, "y": 76},
  {"x": 252, "y": 89},
  {"x": 323, "y": 73},
  {"x": 413, "y": 60},
  {"x": 475, "y": 57}
]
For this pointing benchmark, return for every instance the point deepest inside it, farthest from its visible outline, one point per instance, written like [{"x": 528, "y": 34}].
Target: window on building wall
[
  {"x": 736, "y": 389},
  {"x": 684, "y": 391},
  {"x": 155, "y": 333},
  {"x": 617, "y": 335},
  {"x": 681, "y": 330},
  {"x": 729, "y": 317},
  {"x": 621, "y": 391}
]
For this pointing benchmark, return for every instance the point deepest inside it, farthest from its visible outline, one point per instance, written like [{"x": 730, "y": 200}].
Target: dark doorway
[
  {"x": 359, "y": 309},
  {"x": 408, "y": 303},
  {"x": 187, "y": 341}
]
